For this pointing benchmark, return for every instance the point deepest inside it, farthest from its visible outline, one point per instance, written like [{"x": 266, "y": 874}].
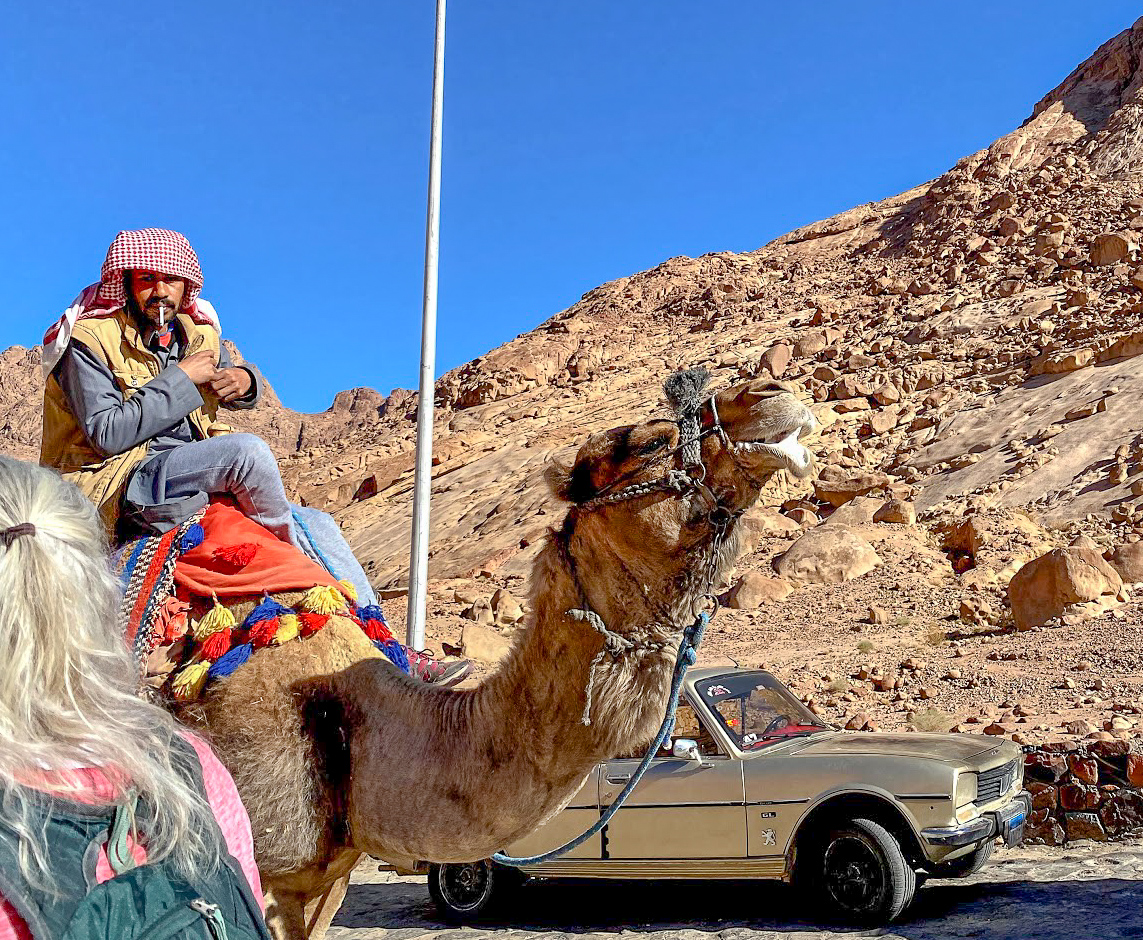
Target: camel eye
[{"x": 656, "y": 443}]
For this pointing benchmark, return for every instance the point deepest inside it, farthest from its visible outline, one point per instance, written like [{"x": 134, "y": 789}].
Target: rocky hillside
[{"x": 972, "y": 348}]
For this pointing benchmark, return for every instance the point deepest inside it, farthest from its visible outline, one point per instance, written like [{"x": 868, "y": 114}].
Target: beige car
[{"x": 755, "y": 786}]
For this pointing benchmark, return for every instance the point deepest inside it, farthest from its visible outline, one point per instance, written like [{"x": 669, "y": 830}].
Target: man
[{"x": 135, "y": 376}]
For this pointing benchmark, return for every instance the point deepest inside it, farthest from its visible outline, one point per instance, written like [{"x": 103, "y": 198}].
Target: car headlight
[{"x": 965, "y": 788}]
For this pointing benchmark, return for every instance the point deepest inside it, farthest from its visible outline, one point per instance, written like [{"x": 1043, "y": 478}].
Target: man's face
[{"x": 157, "y": 296}]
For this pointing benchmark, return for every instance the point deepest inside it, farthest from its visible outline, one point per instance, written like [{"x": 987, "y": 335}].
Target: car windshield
[{"x": 756, "y": 709}]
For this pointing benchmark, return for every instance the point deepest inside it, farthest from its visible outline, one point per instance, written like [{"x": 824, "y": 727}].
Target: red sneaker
[{"x": 434, "y": 672}]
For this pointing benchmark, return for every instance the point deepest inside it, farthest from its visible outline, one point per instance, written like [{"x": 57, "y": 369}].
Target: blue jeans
[{"x": 172, "y": 485}]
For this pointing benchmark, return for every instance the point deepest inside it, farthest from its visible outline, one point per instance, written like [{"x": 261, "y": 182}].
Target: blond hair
[{"x": 68, "y": 683}]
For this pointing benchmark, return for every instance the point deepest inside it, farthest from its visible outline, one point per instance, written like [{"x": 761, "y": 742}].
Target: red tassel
[
  {"x": 239, "y": 556},
  {"x": 263, "y": 632},
  {"x": 309, "y": 624},
  {"x": 216, "y": 645},
  {"x": 376, "y": 630}
]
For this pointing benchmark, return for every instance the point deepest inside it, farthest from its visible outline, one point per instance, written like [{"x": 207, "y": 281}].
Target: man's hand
[
  {"x": 200, "y": 367},
  {"x": 231, "y": 384}
]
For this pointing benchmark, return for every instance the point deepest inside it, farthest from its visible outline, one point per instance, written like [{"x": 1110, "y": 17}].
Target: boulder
[
  {"x": 775, "y": 359},
  {"x": 1084, "y": 826},
  {"x": 1127, "y": 560},
  {"x": 506, "y": 609},
  {"x": 1111, "y": 248},
  {"x": 858, "y": 511},
  {"x": 480, "y": 611},
  {"x": 754, "y": 590},
  {"x": 483, "y": 643},
  {"x": 765, "y": 522},
  {"x": 837, "y": 486},
  {"x": 1122, "y": 813},
  {"x": 896, "y": 510},
  {"x": 1048, "y": 585},
  {"x": 828, "y": 555}
]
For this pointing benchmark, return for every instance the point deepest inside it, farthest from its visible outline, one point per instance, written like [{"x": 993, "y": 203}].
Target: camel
[{"x": 336, "y": 753}]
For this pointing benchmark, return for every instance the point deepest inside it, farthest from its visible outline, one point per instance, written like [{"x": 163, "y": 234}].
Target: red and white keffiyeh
[{"x": 148, "y": 249}]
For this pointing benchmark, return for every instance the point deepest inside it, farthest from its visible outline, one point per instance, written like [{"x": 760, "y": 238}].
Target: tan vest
[{"x": 117, "y": 343}]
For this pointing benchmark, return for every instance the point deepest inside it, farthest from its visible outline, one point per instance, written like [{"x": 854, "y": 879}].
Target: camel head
[{"x": 655, "y": 507}]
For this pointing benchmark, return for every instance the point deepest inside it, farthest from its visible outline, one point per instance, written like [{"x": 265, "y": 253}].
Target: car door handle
[{"x": 618, "y": 778}]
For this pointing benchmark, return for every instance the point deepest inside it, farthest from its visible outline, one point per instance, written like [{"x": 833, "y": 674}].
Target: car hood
[{"x": 955, "y": 748}]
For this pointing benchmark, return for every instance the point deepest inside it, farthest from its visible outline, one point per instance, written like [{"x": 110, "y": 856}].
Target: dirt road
[{"x": 1088, "y": 891}]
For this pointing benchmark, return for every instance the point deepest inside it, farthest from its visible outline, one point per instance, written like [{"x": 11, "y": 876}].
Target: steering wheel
[{"x": 781, "y": 721}]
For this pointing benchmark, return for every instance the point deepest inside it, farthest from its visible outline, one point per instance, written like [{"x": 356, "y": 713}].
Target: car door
[
  {"x": 680, "y": 809},
  {"x": 579, "y": 815}
]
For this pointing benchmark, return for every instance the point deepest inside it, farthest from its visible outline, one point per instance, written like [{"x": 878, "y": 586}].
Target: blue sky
[{"x": 583, "y": 142}]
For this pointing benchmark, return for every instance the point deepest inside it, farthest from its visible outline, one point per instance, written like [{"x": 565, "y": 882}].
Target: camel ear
[{"x": 571, "y": 484}]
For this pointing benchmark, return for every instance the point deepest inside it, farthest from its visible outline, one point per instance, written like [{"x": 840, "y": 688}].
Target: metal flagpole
[{"x": 419, "y": 550}]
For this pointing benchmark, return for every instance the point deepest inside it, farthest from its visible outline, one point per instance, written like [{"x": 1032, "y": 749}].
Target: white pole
[{"x": 419, "y": 550}]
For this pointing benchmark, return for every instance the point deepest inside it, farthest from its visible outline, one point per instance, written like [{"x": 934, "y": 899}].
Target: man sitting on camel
[{"x": 135, "y": 375}]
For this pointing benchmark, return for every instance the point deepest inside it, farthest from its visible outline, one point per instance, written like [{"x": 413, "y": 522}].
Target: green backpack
[{"x": 141, "y": 902}]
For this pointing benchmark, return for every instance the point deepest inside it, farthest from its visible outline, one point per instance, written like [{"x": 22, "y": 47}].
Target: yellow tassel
[
  {"x": 287, "y": 630},
  {"x": 323, "y": 600},
  {"x": 217, "y": 618},
  {"x": 350, "y": 590},
  {"x": 188, "y": 684}
]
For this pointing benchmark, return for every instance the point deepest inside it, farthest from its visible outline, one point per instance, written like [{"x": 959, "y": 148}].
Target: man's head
[
  {"x": 153, "y": 295},
  {"x": 149, "y": 269}
]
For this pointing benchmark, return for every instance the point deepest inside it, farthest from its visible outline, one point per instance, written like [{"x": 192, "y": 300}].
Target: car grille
[{"x": 994, "y": 783}]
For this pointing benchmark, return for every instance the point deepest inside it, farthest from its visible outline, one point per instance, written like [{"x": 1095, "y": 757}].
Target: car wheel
[
  {"x": 465, "y": 892},
  {"x": 967, "y": 864},
  {"x": 863, "y": 873}
]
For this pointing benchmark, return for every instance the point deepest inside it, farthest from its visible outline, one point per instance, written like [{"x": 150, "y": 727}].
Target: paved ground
[{"x": 1085, "y": 892}]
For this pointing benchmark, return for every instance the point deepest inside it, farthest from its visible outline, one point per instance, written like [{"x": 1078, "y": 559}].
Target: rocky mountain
[{"x": 972, "y": 348}]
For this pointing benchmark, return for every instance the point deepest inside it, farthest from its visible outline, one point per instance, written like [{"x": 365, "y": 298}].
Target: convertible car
[{"x": 753, "y": 785}]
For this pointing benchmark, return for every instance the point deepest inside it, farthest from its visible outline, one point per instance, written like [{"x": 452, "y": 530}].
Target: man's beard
[{"x": 150, "y": 314}]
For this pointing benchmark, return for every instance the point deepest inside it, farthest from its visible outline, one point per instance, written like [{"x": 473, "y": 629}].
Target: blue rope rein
[
  {"x": 325, "y": 563},
  {"x": 688, "y": 653}
]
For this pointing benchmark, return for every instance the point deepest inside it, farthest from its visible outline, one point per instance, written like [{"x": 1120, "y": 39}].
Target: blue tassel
[
  {"x": 191, "y": 538},
  {"x": 268, "y": 609},
  {"x": 231, "y": 661},
  {"x": 396, "y": 653},
  {"x": 372, "y": 612}
]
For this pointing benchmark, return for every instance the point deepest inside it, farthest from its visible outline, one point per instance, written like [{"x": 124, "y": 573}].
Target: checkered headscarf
[{"x": 148, "y": 249}]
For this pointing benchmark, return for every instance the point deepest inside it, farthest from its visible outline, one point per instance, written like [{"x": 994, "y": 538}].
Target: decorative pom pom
[
  {"x": 287, "y": 630},
  {"x": 396, "y": 653},
  {"x": 323, "y": 600},
  {"x": 263, "y": 632},
  {"x": 216, "y": 645},
  {"x": 217, "y": 618},
  {"x": 309, "y": 624},
  {"x": 231, "y": 661},
  {"x": 376, "y": 630},
  {"x": 192, "y": 538},
  {"x": 372, "y": 612},
  {"x": 350, "y": 590},
  {"x": 267, "y": 610},
  {"x": 189, "y": 683},
  {"x": 236, "y": 556}
]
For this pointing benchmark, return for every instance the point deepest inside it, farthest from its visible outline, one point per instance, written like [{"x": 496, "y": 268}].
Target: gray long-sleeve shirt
[{"x": 158, "y": 412}]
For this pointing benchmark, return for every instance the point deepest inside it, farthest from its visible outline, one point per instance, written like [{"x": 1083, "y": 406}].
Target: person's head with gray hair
[{"x": 68, "y": 682}]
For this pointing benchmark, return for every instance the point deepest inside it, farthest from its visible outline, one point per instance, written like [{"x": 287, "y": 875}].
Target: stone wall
[{"x": 1083, "y": 790}]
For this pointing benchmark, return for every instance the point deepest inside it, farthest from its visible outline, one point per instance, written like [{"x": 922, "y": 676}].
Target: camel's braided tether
[
  {"x": 688, "y": 653},
  {"x": 684, "y": 393}
]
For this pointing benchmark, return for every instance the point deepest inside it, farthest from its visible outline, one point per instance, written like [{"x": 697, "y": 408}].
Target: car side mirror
[{"x": 685, "y": 747}]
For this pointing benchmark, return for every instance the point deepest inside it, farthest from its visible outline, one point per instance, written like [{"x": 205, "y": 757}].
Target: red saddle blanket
[{"x": 238, "y": 557}]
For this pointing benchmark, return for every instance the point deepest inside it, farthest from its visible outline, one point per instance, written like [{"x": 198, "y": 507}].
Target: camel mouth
[{"x": 783, "y": 446}]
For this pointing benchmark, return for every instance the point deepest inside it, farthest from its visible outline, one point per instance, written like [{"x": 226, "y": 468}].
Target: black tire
[
  {"x": 860, "y": 872},
  {"x": 467, "y": 892},
  {"x": 967, "y": 864}
]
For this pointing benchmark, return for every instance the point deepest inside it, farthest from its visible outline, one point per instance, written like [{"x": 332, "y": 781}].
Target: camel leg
[
  {"x": 320, "y": 911},
  {"x": 285, "y": 913}
]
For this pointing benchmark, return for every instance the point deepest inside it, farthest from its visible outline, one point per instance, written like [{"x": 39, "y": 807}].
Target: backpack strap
[{"x": 122, "y": 829}]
